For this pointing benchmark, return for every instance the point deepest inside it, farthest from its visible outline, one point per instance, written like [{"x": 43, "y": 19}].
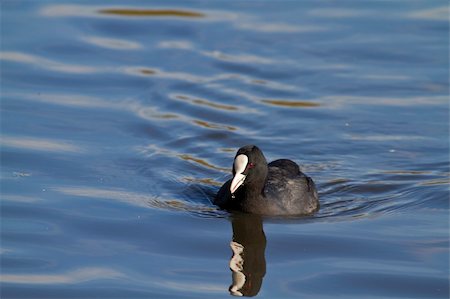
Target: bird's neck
[{"x": 255, "y": 190}]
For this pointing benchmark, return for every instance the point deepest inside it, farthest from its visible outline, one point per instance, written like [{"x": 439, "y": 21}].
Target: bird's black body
[{"x": 277, "y": 188}]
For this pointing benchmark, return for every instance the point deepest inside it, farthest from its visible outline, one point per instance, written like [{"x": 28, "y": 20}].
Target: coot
[{"x": 277, "y": 188}]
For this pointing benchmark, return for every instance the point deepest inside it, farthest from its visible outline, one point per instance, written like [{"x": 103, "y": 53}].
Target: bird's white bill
[
  {"x": 237, "y": 181},
  {"x": 240, "y": 164}
]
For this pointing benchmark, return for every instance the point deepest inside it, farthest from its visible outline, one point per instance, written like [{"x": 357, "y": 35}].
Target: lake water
[{"x": 120, "y": 121}]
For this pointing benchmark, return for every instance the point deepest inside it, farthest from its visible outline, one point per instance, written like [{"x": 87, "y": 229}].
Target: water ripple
[
  {"x": 141, "y": 200},
  {"x": 399, "y": 285},
  {"x": 112, "y": 43},
  {"x": 203, "y": 102},
  {"x": 382, "y": 194},
  {"x": 40, "y": 144},
  {"x": 437, "y": 14},
  {"x": 290, "y": 104},
  {"x": 72, "y": 277},
  {"x": 128, "y": 12},
  {"x": 47, "y": 63}
]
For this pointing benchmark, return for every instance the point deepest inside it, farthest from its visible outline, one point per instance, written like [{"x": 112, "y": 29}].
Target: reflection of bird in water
[
  {"x": 248, "y": 263},
  {"x": 237, "y": 266}
]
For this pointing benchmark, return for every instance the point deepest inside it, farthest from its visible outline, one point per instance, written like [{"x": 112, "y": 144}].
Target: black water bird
[{"x": 274, "y": 189}]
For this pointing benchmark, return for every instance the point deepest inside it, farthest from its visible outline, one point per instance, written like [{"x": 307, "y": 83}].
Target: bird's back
[{"x": 289, "y": 190}]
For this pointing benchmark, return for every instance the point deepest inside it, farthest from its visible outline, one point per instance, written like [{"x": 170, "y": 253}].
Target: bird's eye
[{"x": 251, "y": 165}]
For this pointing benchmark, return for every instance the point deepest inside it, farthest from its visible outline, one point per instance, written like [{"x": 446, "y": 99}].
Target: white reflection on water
[
  {"x": 112, "y": 43},
  {"x": 20, "y": 198},
  {"x": 74, "y": 100},
  {"x": 134, "y": 198},
  {"x": 239, "y": 58},
  {"x": 339, "y": 101},
  {"x": 383, "y": 267},
  {"x": 381, "y": 138},
  {"x": 47, "y": 63},
  {"x": 198, "y": 287},
  {"x": 175, "y": 44},
  {"x": 67, "y": 11},
  {"x": 340, "y": 12},
  {"x": 220, "y": 55},
  {"x": 438, "y": 14},
  {"x": 72, "y": 277},
  {"x": 39, "y": 144},
  {"x": 280, "y": 27},
  {"x": 378, "y": 77}
]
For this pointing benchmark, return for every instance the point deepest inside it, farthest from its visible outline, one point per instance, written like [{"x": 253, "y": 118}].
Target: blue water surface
[{"x": 120, "y": 121}]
